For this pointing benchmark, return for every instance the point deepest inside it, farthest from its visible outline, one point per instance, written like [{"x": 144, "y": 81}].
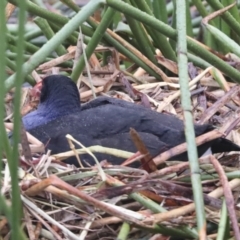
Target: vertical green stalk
[
  {"x": 160, "y": 10},
  {"x": 2, "y": 78},
  {"x": 223, "y": 227},
  {"x": 208, "y": 38},
  {"x": 107, "y": 54},
  {"x": 97, "y": 36},
  {"x": 149, "y": 3},
  {"x": 160, "y": 41},
  {"x": 13, "y": 160},
  {"x": 189, "y": 20},
  {"x": 143, "y": 42},
  {"x": 4, "y": 144},
  {"x": 173, "y": 25},
  {"x": 187, "y": 111}
]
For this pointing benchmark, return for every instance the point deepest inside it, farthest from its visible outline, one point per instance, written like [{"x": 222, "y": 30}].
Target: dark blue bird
[{"x": 106, "y": 121}]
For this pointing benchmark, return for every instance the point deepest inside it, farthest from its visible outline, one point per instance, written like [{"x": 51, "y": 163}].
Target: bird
[{"x": 106, "y": 121}]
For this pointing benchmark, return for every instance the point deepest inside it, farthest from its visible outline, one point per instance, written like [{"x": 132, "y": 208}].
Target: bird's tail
[{"x": 224, "y": 145}]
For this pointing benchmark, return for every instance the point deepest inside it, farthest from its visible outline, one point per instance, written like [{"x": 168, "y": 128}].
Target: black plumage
[{"x": 106, "y": 121}]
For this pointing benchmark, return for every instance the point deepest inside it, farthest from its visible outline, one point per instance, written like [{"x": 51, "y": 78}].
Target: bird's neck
[{"x": 56, "y": 107}]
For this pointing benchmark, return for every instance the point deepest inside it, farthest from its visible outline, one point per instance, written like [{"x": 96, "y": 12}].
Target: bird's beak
[{"x": 36, "y": 90}]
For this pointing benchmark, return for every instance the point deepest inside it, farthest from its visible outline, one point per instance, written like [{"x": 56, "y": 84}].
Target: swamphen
[{"x": 106, "y": 121}]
